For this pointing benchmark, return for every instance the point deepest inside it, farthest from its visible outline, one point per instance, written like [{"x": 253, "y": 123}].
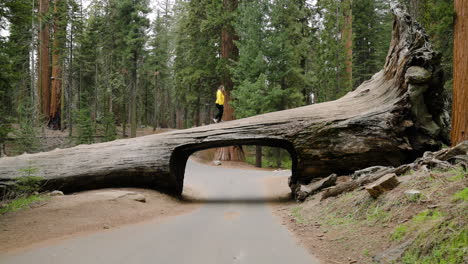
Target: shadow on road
[{"x": 246, "y": 200}]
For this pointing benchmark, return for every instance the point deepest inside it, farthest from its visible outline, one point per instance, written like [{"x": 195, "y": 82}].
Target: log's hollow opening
[{"x": 278, "y": 155}]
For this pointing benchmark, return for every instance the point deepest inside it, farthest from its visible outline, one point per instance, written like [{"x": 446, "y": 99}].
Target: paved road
[{"x": 234, "y": 225}]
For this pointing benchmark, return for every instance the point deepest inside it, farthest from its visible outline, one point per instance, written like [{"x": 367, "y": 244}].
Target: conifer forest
[{"x": 100, "y": 69}]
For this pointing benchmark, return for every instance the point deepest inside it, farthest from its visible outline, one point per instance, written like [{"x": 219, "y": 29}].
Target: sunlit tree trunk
[{"x": 460, "y": 74}]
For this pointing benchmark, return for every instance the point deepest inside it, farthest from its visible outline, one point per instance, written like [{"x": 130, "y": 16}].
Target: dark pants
[{"x": 219, "y": 116}]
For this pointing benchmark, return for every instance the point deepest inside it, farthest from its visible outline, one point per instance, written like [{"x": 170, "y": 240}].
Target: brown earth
[
  {"x": 353, "y": 227},
  {"x": 59, "y": 217}
]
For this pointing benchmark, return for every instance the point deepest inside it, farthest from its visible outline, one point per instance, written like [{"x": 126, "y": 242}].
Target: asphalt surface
[{"x": 233, "y": 225}]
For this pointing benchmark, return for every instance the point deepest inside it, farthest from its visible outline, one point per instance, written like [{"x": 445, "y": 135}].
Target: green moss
[
  {"x": 461, "y": 195},
  {"x": 399, "y": 233},
  {"x": 20, "y": 203}
]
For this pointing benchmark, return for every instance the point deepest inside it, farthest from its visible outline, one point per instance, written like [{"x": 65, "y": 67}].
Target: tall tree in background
[
  {"x": 460, "y": 74},
  {"x": 229, "y": 53},
  {"x": 347, "y": 36},
  {"x": 43, "y": 83},
  {"x": 58, "y": 51},
  {"x": 372, "y": 32}
]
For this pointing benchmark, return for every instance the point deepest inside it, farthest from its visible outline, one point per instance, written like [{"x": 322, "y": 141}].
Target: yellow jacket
[{"x": 219, "y": 97}]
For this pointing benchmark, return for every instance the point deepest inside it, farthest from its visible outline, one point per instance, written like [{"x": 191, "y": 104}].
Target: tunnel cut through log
[
  {"x": 388, "y": 120},
  {"x": 181, "y": 154}
]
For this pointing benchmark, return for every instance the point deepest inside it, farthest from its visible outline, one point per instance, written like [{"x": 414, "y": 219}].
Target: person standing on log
[{"x": 219, "y": 104}]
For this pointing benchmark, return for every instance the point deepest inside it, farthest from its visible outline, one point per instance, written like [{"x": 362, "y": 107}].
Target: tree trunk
[
  {"x": 56, "y": 87},
  {"x": 43, "y": 84},
  {"x": 258, "y": 156},
  {"x": 347, "y": 35},
  {"x": 460, "y": 74},
  {"x": 229, "y": 52},
  {"x": 133, "y": 97},
  {"x": 389, "y": 120}
]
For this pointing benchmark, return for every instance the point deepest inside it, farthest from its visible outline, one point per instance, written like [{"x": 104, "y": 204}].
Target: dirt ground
[{"x": 59, "y": 217}]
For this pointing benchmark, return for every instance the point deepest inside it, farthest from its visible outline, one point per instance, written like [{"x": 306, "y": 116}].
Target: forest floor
[{"x": 394, "y": 228}]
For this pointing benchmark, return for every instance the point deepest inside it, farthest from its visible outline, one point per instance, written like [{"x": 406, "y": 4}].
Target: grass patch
[
  {"x": 399, "y": 233},
  {"x": 427, "y": 215},
  {"x": 443, "y": 246},
  {"x": 461, "y": 195},
  {"x": 334, "y": 220},
  {"x": 458, "y": 174},
  {"x": 20, "y": 203},
  {"x": 296, "y": 213},
  {"x": 376, "y": 214}
]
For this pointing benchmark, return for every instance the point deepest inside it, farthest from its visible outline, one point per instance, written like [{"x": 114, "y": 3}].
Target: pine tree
[{"x": 372, "y": 32}]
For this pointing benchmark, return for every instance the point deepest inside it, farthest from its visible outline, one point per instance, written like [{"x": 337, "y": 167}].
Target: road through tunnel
[{"x": 180, "y": 155}]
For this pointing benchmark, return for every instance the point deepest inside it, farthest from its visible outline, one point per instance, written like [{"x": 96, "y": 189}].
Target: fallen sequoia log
[{"x": 389, "y": 120}]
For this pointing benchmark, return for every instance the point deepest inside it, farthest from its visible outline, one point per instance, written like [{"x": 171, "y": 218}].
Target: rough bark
[
  {"x": 56, "y": 78},
  {"x": 460, "y": 74},
  {"x": 229, "y": 52},
  {"x": 43, "y": 84},
  {"x": 389, "y": 120},
  {"x": 347, "y": 33}
]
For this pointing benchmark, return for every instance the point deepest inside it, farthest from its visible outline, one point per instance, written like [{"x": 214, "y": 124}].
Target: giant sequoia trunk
[
  {"x": 460, "y": 74},
  {"x": 229, "y": 52},
  {"x": 56, "y": 86},
  {"x": 388, "y": 120},
  {"x": 43, "y": 83}
]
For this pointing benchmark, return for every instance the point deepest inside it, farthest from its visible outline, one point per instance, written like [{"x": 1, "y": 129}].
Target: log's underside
[{"x": 389, "y": 120}]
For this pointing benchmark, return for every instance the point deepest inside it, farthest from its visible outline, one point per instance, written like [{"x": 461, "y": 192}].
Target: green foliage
[
  {"x": 85, "y": 127},
  {"x": 372, "y": 32},
  {"x": 26, "y": 135},
  {"x": 461, "y": 195},
  {"x": 108, "y": 124},
  {"x": 271, "y": 157},
  {"x": 27, "y": 184},
  {"x": 20, "y": 203}
]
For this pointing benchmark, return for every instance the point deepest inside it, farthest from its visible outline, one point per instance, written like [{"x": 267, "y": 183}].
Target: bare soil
[{"x": 59, "y": 217}]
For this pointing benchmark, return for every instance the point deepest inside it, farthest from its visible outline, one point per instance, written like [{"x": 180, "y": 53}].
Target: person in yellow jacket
[{"x": 219, "y": 104}]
